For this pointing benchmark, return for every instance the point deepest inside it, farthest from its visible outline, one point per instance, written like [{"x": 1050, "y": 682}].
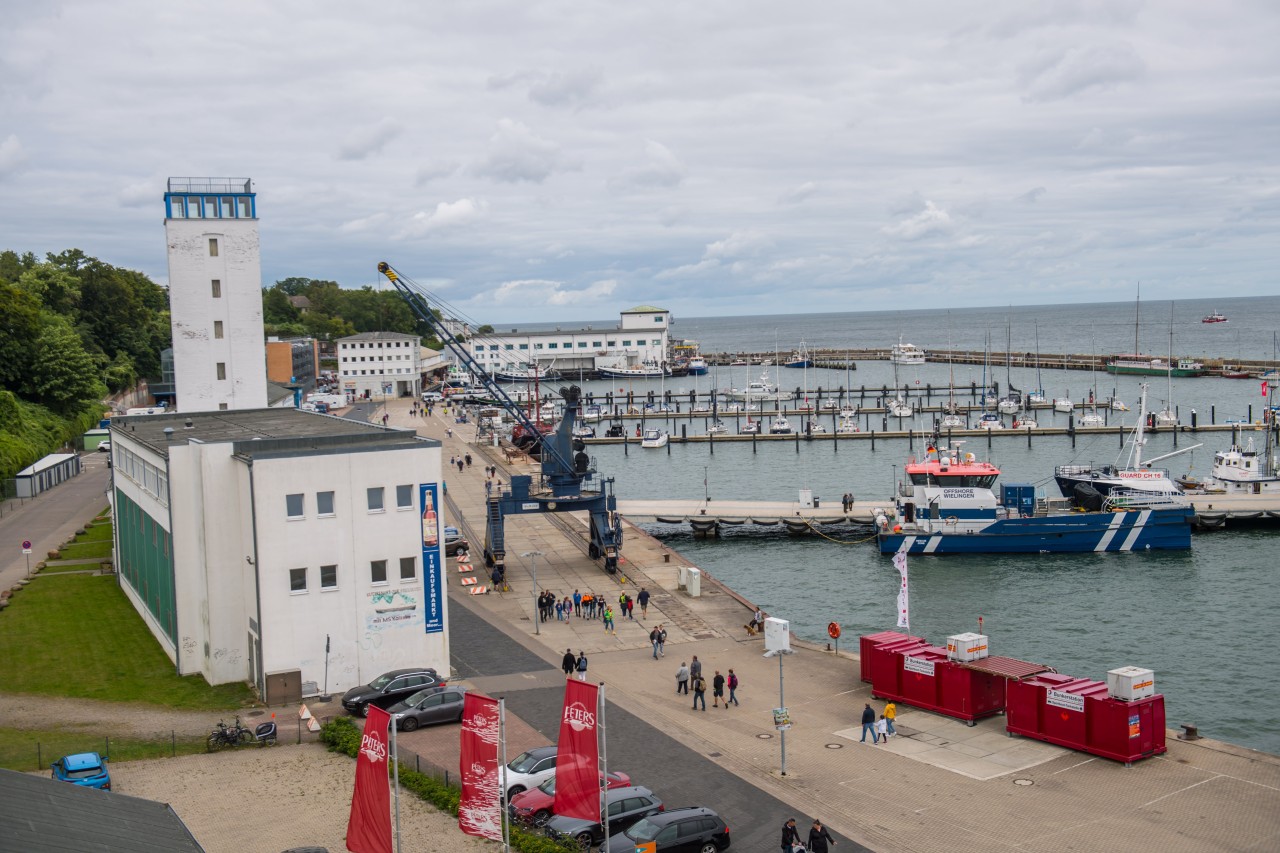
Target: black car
[
  {"x": 688, "y": 830},
  {"x": 626, "y": 806},
  {"x": 389, "y": 688},
  {"x": 432, "y": 705}
]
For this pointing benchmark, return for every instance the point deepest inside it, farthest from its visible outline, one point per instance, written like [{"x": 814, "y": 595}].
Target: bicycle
[{"x": 224, "y": 736}]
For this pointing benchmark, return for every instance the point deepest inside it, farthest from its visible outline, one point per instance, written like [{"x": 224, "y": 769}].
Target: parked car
[
  {"x": 87, "y": 769},
  {"x": 389, "y": 688},
  {"x": 528, "y": 770},
  {"x": 694, "y": 829},
  {"x": 104, "y": 446},
  {"x": 626, "y": 807},
  {"x": 534, "y": 805},
  {"x": 427, "y": 707},
  {"x": 454, "y": 541}
]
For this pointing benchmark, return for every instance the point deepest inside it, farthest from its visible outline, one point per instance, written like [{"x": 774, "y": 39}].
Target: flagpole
[
  {"x": 502, "y": 773},
  {"x": 604, "y": 761},
  {"x": 395, "y": 764}
]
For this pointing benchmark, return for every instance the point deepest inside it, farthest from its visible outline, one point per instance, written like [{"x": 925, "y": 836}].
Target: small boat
[
  {"x": 1215, "y": 317},
  {"x": 717, "y": 428},
  {"x": 591, "y": 414},
  {"x": 848, "y": 411},
  {"x": 749, "y": 428},
  {"x": 990, "y": 420},
  {"x": 904, "y": 353},
  {"x": 954, "y": 421},
  {"x": 697, "y": 366},
  {"x": 1230, "y": 371},
  {"x": 828, "y": 406},
  {"x": 814, "y": 428},
  {"x": 847, "y": 425},
  {"x": 1091, "y": 419},
  {"x": 1010, "y": 404},
  {"x": 762, "y": 389},
  {"x": 900, "y": 407},
  {"x": 738, "y": 363},
  {"x": 780, "y": 426},
  {"x": 583, "y": 431},
  {"x": 1166, "y": 417},
  {"x": 1025, "y": 422},
  {"x": 1117, "y": 405},
  {"x": 653, "y": 438},
  {"x": 1064, "y": 404},
  {"x": 800, "y": 358},
  {"x": 1239, "y": 470},
  {"x": 701, "y": 408}
]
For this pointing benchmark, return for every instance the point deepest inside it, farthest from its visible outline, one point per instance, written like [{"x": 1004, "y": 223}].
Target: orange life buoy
[{"x": 833, "y": 630}]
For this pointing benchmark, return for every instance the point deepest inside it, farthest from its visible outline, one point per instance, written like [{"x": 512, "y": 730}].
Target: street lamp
[
  {"x": 777, "y": 641},
  {"x": 537, "y": 617}
]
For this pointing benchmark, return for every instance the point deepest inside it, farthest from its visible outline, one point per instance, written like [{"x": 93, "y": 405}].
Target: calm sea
[{"x": 1194, "y": 618}]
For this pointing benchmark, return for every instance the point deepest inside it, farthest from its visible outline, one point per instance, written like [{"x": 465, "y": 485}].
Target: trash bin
[{"x": 817, "y": 502}]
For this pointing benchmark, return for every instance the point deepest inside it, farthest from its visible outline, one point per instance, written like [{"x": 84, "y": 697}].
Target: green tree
[
  {"x": 276, "y": 307},
  {"x": 486, "y": 329},
  {"x": 57, "y": 289},
  {"x": 70, "y": 260},
  {"x": 19, "y": 326},
  {"x": 64, "y": 376},
  {"x": 13, "y": 265},
  {"x": 115, "y": 317}
]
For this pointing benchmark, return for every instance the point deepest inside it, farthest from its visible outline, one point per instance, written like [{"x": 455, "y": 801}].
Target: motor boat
[
  {"x": 653, "y": 438},
  {"x": 990, "y": 420},
  {"x": 904, "y": 353}
]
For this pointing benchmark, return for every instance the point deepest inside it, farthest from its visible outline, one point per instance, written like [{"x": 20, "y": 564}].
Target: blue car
[{"x": 85, "y": 768}]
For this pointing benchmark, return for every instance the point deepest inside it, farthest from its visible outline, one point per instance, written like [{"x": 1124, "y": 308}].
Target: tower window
[
  {"x": 244, "y": 208},
  {"x": 213, "y": 247},
  {"x": 222, "y": 370},
  {"x": 217, "y": 286},
  {"x": 217, "y": 329}
]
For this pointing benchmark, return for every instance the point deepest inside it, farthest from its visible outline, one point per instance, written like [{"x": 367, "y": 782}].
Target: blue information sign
[{"x": 432, "y": 557}]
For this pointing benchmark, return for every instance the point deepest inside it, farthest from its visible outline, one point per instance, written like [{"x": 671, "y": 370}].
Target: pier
[{"x": 705, "y": 516}]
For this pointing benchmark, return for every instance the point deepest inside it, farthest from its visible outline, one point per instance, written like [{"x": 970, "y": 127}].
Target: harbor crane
[{"x": 568, "y": 481}]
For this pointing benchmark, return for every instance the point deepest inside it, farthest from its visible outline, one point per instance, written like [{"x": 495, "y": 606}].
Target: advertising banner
[
  {"x": 904, "y": 602},
  {"x": 578, "y": 755},
  {"x": 432, "y": 557},
  {"x": 479, "y": 807},
  {"x": 369, "y": 827}
]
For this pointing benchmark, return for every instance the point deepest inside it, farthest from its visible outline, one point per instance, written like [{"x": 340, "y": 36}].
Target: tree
[
  {"x": 12, "y": 266},
  {"x": 19, "y": 326},
  {"x": 63, "y": 376},
  {"x": 57, "y": 289},
  {"x": 276, "y": 308},
  {"x": 486, "y": 329},
  {"x": 115, "y": 317}
]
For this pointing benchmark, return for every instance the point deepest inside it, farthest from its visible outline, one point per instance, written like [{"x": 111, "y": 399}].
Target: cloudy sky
[{"x": 565, "y": 160}]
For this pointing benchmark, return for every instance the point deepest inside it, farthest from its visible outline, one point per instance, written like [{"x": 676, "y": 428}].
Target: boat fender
[
  {"x": 969, "y": 457},
  {"x": 882, "y": 522},
  {"x": 897, "y": 528}
]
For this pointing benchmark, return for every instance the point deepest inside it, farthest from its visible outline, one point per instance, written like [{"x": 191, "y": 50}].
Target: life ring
[
  {"x": 951, "y": 519},
  {"x": 833, "y": 630}
]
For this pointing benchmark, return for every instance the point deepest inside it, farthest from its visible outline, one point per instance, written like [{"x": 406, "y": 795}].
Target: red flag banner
[
  {"x": 479, "y": 808},
  {"x": 578, "y": 754},
  {"x": 369, "y": 829}
]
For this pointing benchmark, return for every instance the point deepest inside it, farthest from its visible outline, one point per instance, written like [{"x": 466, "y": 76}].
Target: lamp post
[
  {"x": 537, "y": 617},
  {"x": 777, "y": 642}
]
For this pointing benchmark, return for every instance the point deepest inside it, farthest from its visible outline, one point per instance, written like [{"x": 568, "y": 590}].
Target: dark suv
[
  {"x": 389, "y": 688},
  {"x": 688, "y": 830},
  {"x": 626, "y": 806}
]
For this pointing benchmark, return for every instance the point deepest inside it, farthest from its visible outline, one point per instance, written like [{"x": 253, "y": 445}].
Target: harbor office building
[
  {"x": 380, "y": 364},
  {"x": 254, "y": 541},
  {"x": 641, "y": 337}
]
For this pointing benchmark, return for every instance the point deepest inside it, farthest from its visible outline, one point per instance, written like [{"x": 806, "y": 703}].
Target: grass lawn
[
  {"x": 96, "y": 533},
  {"x": 82, "y": 550},
  {"x": 78, "y": 636},
  {"x": 36, "y": 749},
  {"x": 74, "y": 567}
]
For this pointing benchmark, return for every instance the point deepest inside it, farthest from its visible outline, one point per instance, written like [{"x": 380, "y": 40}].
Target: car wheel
[
  {"x": 513, "y": 790},
  {"x": 540, "y": 817},
  {"x": 408, "y": 724},
  {"x": 584, "y": 840},
  {"x": 363, "y": 710},
  {"x": 709, "y": 847}
]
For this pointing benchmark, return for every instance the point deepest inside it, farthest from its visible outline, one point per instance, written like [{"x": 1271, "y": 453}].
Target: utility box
[
  {"x": 283, "y": 688},
  {"x": 693, "y": 581},
  {"x": 806, "y": 498},
  {"x": 967, "y": 647},
  {"x": 1019, "y": 497},
  {"x": 777, "y": 635},
  {"x": 1129, "y": 683}
]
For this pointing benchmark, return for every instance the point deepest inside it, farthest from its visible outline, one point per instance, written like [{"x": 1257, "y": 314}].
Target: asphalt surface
[{"x": 679, "y": 775}]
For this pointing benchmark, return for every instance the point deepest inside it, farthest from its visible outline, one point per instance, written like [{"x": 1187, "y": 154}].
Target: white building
[
  {"x": 215, "y": 294},
  {"x": 249, "y": 539},
  {"x": 641, "y": 337},
  {"x": 380, "y": 364}
]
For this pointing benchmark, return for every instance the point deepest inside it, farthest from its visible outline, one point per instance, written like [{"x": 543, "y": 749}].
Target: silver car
[{"x": 428, "y": 707}]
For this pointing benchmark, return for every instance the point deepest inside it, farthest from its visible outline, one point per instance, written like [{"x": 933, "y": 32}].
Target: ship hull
[{"x": 1143, "y": 530}]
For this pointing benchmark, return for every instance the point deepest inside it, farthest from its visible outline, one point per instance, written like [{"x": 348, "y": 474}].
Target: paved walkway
[{"x": 939, "y": 786}]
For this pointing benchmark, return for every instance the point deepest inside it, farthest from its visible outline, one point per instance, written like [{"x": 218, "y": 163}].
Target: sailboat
[
  {"x": 1037, "y": 396},
  {"x": 1167, "y": 416},
  {"x": 1092, "y": 418},
  {"x": 899, "y": 406},
  {"x": 951, "y": 417},
  {"x": 989, "y": 420}
]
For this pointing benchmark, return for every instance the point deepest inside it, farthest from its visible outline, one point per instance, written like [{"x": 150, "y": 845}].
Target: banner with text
[
  {"x": 480, "y": 807},
  {"x": 904, "y": 603},
  {"x": 369, "y": 827},
  {"x": 432, "y": 558},
  {"x": 578, "y": 755}
]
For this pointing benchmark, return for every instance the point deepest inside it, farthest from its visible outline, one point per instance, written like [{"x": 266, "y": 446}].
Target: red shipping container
[
  {"x": 921, "y": 674},
  {"x": 1077, "y": 713},
  {"x": 867, "y": 642},
  {"x": 886, "y": 664}
]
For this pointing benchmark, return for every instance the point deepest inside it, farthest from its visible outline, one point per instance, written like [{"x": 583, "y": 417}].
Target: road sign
[{"x": 26, "y": 546}]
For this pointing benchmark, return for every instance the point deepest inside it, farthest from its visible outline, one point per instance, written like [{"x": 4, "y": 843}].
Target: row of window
[
  {"x": 300, "y": 579},
  {"x": 657, "y": 342},
  {"x": 377, "y": 372},
  {"x": 210, "y": 207},
  {"x": 353, "y": 359},
  {"x": 378, "y": 345},
  {"x": 295, "y": 505},
  {"x": 148, "y": 477}
]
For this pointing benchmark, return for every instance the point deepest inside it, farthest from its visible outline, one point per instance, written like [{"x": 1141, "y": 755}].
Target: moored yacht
[
  {"x": 904, "y": 353},
  {"x": 780, "y": 426},
  {"x": 653, "y": 438}
]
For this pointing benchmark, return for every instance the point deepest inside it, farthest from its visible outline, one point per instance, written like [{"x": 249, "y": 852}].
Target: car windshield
[
  {"x": 549, "y": 786},
  {"x": 645, "y": 830},
  {"x": 420, "y": 695},
  {"x": 380, "y": 682},
  {"x": 524, "y": 762}
]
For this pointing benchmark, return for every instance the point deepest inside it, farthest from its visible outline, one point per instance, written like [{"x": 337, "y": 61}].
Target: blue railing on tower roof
[{"x": 210, "y": 185}]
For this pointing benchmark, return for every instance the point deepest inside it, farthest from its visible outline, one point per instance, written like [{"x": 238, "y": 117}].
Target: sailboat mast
[{"x": 1137, "y": 304}]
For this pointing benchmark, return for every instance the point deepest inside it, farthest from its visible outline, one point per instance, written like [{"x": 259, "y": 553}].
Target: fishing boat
[
  {"x": 648, "y": 370},
  {"x": 904, "y": 353},
  {"x": 697, "y": 366},
  {"x": 654, "y": 438},
  {"x": 948, "y": 506},
  {"x": 1215, "y": 317},
  {"x": 800, "y": 358},
  {"x": 780, "y": 426},
  {"x": 757, "y": 391}
]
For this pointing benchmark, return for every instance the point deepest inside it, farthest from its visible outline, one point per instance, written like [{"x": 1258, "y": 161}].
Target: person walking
[
  {"x": 891, "y": 714},
  {"x": 717, "y": 690},
  {"x": 790, "y": 835},
  {"x": 653, "y": 641},
  {"x": 577, "y": 603},
  {"x": 733, "y": 688},
  {"x": 868, "y": 724},
  {"x": 695, "y": 668},
  {"x": 643, "y": 598},
  {"x": 608, "y": 621},
  {"x": 568, "y": 662},
  {"x": 819, "y": 838},
  {"x": 882, "y": 729},
  {"x": 559, "y": 611},
  {"x": 459, "y": 458},
  {"x": 468, "y": 458},
  {"x": 682, "y": 679},
  {"x": 589, "y": 605},
  {"x": 568, "y": 608},
  {"x": 699, "y": 692},
  {"x": 662, "y": 641},
  {"x": 581, "y": 665},
  {"x": 630, "y": 604}
]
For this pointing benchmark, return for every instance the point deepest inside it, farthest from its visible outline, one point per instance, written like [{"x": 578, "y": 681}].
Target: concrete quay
[{"x": 939, "y": 786}]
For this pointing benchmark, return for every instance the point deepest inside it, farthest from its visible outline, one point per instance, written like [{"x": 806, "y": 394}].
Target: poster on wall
[{"x": 432, "y": 557}]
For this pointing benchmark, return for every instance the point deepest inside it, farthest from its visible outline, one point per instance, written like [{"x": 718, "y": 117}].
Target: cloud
[
  {"x": 364, "y": 223},
  {"x": 661, "y": 168},
  {"x": 1058, "y": 74},
  {"x": 931, "y": 220},
  {"x": 795, "y": 195},
  {"x": 434, "y": 171},
  {"x": 546, "y": 292},
  {"x": 1031, "y": 196},
  {"x": 455, "y": 214},
  {"x": 517, "y": 154},
  {"x": 565, "y": 88},
  {"x": 142, "y": 193},
  {"x": 737, "y": 245},
  {"x": 363, "y": 141},
  {"x": 12, "y": 155}
]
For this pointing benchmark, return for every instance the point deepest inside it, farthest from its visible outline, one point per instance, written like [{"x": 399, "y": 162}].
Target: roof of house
[
  {"x": 299, "y": 302},
  {"x": 380, "y": 336},
  {"x": 43, "y": 814},
  {"x": 645, "y": 309}
]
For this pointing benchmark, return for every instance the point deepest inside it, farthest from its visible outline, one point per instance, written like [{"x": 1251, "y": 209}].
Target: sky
[{"x": 540, "y": 161}]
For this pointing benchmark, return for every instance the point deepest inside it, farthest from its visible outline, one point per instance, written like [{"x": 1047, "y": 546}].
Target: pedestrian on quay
[
  {"x": 568, "y": 607},
  {"x": 699, "y": 692},
  {"x": 882, "y": 729},
  {"x": 450, "y": 431},
  {"x": 662, "y": 641},
  {"x": 608, "y": 621},
  {"x": 695, "y": 668},
  {"x": 577, "y": 603},
  {"x": 468, "y": 458},
  {"x": 653, "y": 641},
  {"x": 790, "y": 835},
  {"x": 581, "y": 665},
  {"x": 717, "y": 690},
  {"x": 559, "y": 611},
  {"x": 868, "y": 724},
  {"x": 733, "y": 687},
  {"x": 631, "y": 603},
  {"x": 819, "y": 838},
  {"x": 643, "y": 598},
  {"x": 450, "y": 462},
  {"x": 589, "y": 604},
  {"x": 891, "y": 714},
  {"x": 682, "y": 679},
  {"x": 568, "y": 662}
]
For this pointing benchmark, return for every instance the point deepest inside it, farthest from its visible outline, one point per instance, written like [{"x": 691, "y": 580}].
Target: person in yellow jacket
[{"x": 890, "y": 714}]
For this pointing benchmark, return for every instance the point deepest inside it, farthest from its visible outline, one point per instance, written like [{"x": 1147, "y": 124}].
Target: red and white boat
[{"x": 1215, "y": 317}]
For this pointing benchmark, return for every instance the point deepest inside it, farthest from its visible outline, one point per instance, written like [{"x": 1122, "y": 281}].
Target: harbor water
[{"x": 1199, "y": 619}]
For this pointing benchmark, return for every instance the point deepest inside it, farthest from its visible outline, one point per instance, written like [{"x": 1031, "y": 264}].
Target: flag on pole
[
  {"x": 1264, "y": 389},
  {"x": 904, "y": 605},
  {"x": 578, "y": 754},
  {"x": 480, "y": 807},
  {"x": 369, "y": 827}
]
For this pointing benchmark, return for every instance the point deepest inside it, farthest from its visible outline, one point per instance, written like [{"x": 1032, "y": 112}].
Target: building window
[
  {"x": 244, "y": 208},
  {"x": 524, "y": 346},
  {"x": 328, "y": 577},
  {"x": 217, "y": 288},
  {"x": 568, "y": 344},
  {"x": 213, "y": 247},
  {"x": 658, "y": 318},
  {"x": 657, "y": 342},
  {"x": 375, "y": 499},
  {"x": 324, "y": 503},
  {"x": 404, "y": 497},
  {"x": 222, "y": 407},
  {"x": 408, "y": 568},
  {"x": 294, "y": 506},
  {"x": 582, "y": 344},
  {"x": 378, "y": 571},
  {"x": 217, "y": 330},
  {"x": 596, "y": 344},
  {"x": 613, "y": 343},
  {"x": 297, "y": 580},
  {"x": 509, "y": 346},
  {"x": 222, "y": 370}
]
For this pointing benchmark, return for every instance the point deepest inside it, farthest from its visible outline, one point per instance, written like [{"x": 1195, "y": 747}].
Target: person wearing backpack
[
  {"x": 733, "y": 686},
  {"x": 582, "y": 665},
  {"x": 699, "y": 692}
]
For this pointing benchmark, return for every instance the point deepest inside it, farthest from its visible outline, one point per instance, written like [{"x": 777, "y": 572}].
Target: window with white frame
[
  {"x": 378, "y": 571},
  {"x": 297, "y": 580},
  {"x": 295, "y": 506},
  {"x": 375, "y": 499},
  {"x": 324, "y": 503},
  {"x": 408, "y": 568},
  {"x": 404, "y": 497},
  {"x": 328, "y": 577}
]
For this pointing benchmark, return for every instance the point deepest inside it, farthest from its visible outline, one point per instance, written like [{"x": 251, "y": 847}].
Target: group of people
[
  {"x": 658, "y": 639},
  {"x": 690, "y": 675},
  {"x": 881, "y": 729},
  {"x": 583, "y": 605},
  {"x": 574, "y": 665},
  {"x": 818, "y": 840},
  {"x": 846, "y": 501}
]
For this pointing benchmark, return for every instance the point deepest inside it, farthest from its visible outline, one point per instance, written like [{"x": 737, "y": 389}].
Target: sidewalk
[{"x": 939, "y": 786}]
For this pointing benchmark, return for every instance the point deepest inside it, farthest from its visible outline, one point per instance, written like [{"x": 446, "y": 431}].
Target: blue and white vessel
[{"x": 948, "y": 506}]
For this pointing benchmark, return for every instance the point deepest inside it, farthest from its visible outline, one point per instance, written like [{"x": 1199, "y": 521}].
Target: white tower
[{"x": 215, "y": 294}]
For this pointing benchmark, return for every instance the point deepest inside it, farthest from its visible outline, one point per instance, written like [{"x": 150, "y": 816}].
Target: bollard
[
  {"x": 873, "y": 439},
  {"x": 1213, "y": 415},
  {"x": 1193, "y": 420}
]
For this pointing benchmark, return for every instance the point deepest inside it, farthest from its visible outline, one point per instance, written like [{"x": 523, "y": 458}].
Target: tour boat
[{"x": 904, "y": 353}]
